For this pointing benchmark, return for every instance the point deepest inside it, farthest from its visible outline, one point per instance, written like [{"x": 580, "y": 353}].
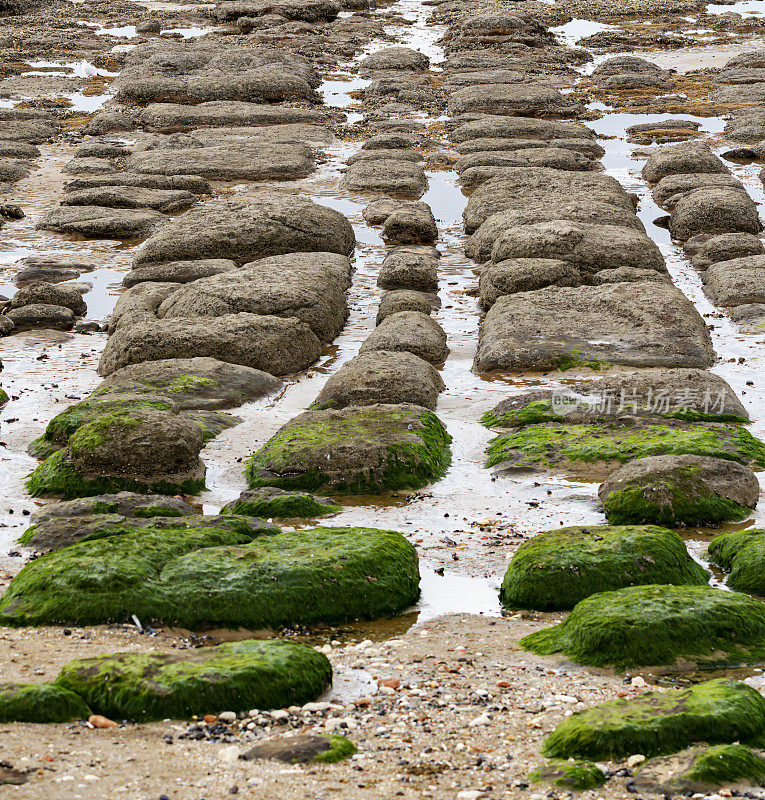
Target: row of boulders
[{"x": 43, "y": 305}]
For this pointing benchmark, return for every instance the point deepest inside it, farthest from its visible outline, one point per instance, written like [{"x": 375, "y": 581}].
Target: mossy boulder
[
  {"x": 192, "y": 383},
  {"x": 693, "y": 395},
  {"x": 235, "y": 677},
  {"x": 556, "y": 569},
  {"x": 302, "y": 748},
  {"x": 672, "y": 626},
  {"x": 577, "y": 775},
  {"x": 139, "y": 450},
  {"x": 679, "y": 490},
  {"x": 354, "y": 450},
  {"x": 580, "y": 447},
  {"x": 236, "y": 576},
  {"x": 3, "y": 397},
  {"x": 40, "y": 702},
  {"x": 716, "y": 711},
  {"x": 700, "y": 769},
  {"x": 127, "y": 504},
  {"x": 742, "y": 554},
  {"x": 270, "y": 502}
]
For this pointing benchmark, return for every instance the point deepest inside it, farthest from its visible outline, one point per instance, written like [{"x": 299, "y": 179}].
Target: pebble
[
  {"x": 633, "y": 761},
  {"x": 228, "y": 755},
  {"x": 226, "y": 716},
  {"x": 97, "y": 721}
]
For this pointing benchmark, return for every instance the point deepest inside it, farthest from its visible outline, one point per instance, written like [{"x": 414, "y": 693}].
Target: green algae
[
  {"x": 556, "y": 569},
  {"x": 717, "y": 711},
  {"x": 742, "y": 554},
  {"x": 361, "y": 451},
  {"x": 3, "y": 397},
  {"x": 726, "y": 762},
  {"x": 235, "y": 576},
  {"x": 658, "y": 626},
  {"x": 40, "y": 702},
  {"x": 549, "y": 444},
  {"x": 234, "y": 677},
  {"x": 282, "y": 507},
  {"x": 340, "y": 748},
  {"x": 578, "y": 775}
]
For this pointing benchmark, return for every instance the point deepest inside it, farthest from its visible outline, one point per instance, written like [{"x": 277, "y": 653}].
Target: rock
[
  {"x": 725, "y": 247},
  {"x": 412, "y": 224},
  {"x": 663, "y": 131},
  {"x": 638, "y": 324},
  {"x": 268, "y": 502},
  {"x": 50, "y": 294},
  {"x": 146, "y": 687},
  {"x": 525, "y": 100},
  {"x": 736, "y": 282},
  {"x": 700, "y": 770},
  {"x": 410, "y": 331},
  {"x": 99, "y": 721},
  {"x": 474, "y": 167},
  {"x": 172, "y": 117},
  {"x": 127, "y": 504},
  {"x": 243, "y": 231},
  {"x": 272, "y": 344},
  {"x": 131, "y": 197},
  {"x": 32, "y": 131},
  {"x": 149, "y": 26},
  {"x": 640, "y": 626},
  {"x": 6, "y": 326},
  {"x": 378, "y": 155},
  {"x": 586, "y": 247},
  {"x": 192, "y": 383},
  {"x": 714, "y": 211},
  {"x": 40, "y": 702},
  {"x": 392, "y": 141},
  {"x": 557, "y": 569},
  {"x": 577, "y": 775},
  {"x": 586, "y": 147},
  {"x": 248, "y": 161},
  {"x": 683, "y": 158},
  {"x": 302, "y": 748},
  {"x": 672, "y": 187},
  {"x": 524, "y": 275},
  {"x": 110, "y": 122},
  {"x": 398, "y": 58},
  {"x": 687, "y": 394},
  {"x": 564, "y": 446},
  {"x": 742, "y": 554},
  {"x": 378, "y": 210},
  {"x": 139, "y": 304},
  {"x": 96, "y": 222},
  {"x": 508, "y": 127},
  {"x": 175, "y": 183},
  {"x": 309, "y": 287},
  {"x": 395, "y": 177},
  {"x": 41, "y": 315},
  {"x": 405, "y": 300},
  {"x": 140, "y": 450},
  {"x": 308, "y": 10},
  {"x": 351, "y": 451},
  {"x": 178, "y": 271},
  {"x": 517, "y": 188},
  {"x": 481, "y": 243},
  {"x": 407, "y": 269},
  {"x": 719, "y": 710},
  {"x": 679, "y": 490},
  {"x": 382, "y": 377}
]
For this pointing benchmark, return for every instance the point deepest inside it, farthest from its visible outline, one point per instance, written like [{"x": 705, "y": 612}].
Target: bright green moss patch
[
  {"x": 530, "y": 414},
  {"x": 225, "y": 576},
  {"x": 553, "y": 444},
  {"x": 3, "y": 397},
  {"x": 233, "y": 677},
  {"x": 742, "y": 554},
  {"x": 725, "y": 763},
  {"x": 273, "y": 503},
  {"x": 659, "y": 626},
  {"x": 557, "y": 569},
  {"x": 40, "y": 702},
  {"x": 578, "y": 775},
  {"x": 340, "y": 748},
  {"x": 717, "y": 711},
  {"x": 354, "y": 451}
]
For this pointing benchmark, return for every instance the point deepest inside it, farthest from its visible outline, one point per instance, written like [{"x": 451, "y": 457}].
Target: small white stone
[
  {"x": 469, "y": 794},
  {"x": 565, "y": 698},
  {"x": 280, "y": 714},
  {"x": 317, "y": 706},
  {"x": 638, "y": 682},
  {"x": 228, "y": 755},
  {"x": 339, "y": 723},
  {"x": 365, "y": 644},
  {"x": 484, "y": 719},
  {"x": 633, "y": 761},
  {"x": 227, "y": 716}
]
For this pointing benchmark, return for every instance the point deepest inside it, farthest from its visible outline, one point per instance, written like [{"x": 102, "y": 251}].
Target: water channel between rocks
[{"x": 444, "y": 520}]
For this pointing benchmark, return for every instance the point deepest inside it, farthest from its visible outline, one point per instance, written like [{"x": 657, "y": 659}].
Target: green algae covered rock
[
  {"x": 700, "y": 769},
  {"x": 742, "y": 554},
  {"x": 40, "y": 702},
  {"x": 302, "y": 748},
  {"x": 144, "y": 450},
  {"x": 578, "y": 775},
  {"x": 127, "y": 504},
  {"x": 717, "y": 711},
  {"x": 556, "y": 445},
  {"x": 114, "y": 576},
  {"x": 270, "y": 502},
  {"x": 3, "y": 397},
  {"x": 354, "y": 450},
  {"x": 557, "y": 569},
  {"x": 308, "y": 576},
  {"x": 679, "y": 490},
  {"x": 234, "y": 677},
  {"x": 659, "y": 626},
  {"x": 234, "y": 573}
]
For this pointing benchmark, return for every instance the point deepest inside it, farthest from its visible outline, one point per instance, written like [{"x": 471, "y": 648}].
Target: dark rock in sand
[
  {"x": 50, "y": 294},
  {"x": 406, "y": 300},
  {"x": 398, "y": 58},
  {"x": 725, "y": 247},
  {"x": 184, "y": 183},
  {"x": 405, "y": 269},
  {"x": 680, "y": 159},
  {"x": 736, "y": 282},
  {"x": 411, "y": 331},
  {"x": 140, "y": 303},
  {"x": 555, "y": 157},
  {"x": 526, "y": 100},
  {"x": 398, "y": 178},
  {"x": 672, "y": 187},
  {"x": 96, "y": 222},
  {"x": 304, "y": 10},
  {"x": 507, "y": 127},
  {"x": 714, "y": 211},
  {"x": 525, "y": 275},
  {"x": 131, "y": 197},
  {"x": 41, "y": 315},
  {"x": 178, "y": 271}
]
